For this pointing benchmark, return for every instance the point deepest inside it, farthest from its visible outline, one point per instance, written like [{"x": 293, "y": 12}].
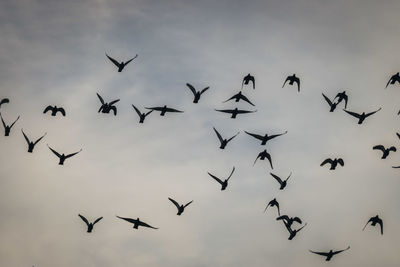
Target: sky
[{"x": 53, "y": 52}]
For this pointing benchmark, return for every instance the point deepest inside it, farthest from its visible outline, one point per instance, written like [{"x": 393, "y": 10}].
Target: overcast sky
[{"x": 53, "y": 52}]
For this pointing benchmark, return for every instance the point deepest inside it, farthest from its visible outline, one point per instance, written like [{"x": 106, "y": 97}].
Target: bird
[
  {"x": 342, "y": 96},
  {"x": 375, "y": 220},
  {"x": 121, "y": 65},
  {"x": 196, "y": 94},
  {"x": 262, "y": 155},
  {"x": 235, "y": 111},
  {"x": 282, "y": 183},
  {"x": 265, "y": 138},
  {"x": 361, "y": 117},
  {"x": 248, "y": 78},
  {"x": 90, "y": 225},
  {"x": 331, "y": 104},
  {"x": 31, "y": 144},
  {"x": 333, "y": 163},
  {"x": 273, "y": 203},
  {"x": 137, "y": 222},
  {"x": 292, "y": 232},
  {"x": 395, "y": 78},
  {"x": 142, "y": 116},
  {"x": 398, "y": 135},
  {"x": 180, "y": 208},
  {"x": 293, "y": 79},
  {"x": 329, "y": 254},
  {"x": 4, "y": 101},
  {"x": 289, "y": 220},
  {"x": 384, "y": 150},
  {"x": 164, "y": 110},
  {"x": 7, "y": 128},
  {"x": 396, "y": 167},
  {"x": 239, "y": 96},
  {"x": 224, "y": 183},
  {"x": 54, "y": 110},
  {"x": 223, "y": 141},
  {"x": 62, "y": 157},
  {"x": 107, "y": 107}
]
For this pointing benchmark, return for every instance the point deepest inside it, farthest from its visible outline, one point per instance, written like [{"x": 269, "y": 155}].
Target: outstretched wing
[
  {"x": 26, "y": 137},
  {"x": 326, "y": 161},
  {"x": 100, "y": 98},
  {"x": 379, "y": 147},
  {"x": 232, "y": 137},
  {"x": 345, "y": 98},
  {"x": 370, "y": 220},
  {"x": 257, "y": 136},
  {"x": 276, "y": 178},
  {"x": 287, "y": 79},
  {"x": 187, "y": 204},
  {"x": 191, "y": 88},
  {"x": 175, "y": 203},
  {"x": 126, "y": 63},
  {"x": 276, "y": 135},
  {"x": 146, "y": 225},
  {"x": 47, "y": 109},
  {"x": 339, "y": 251},
  {"x": 4, "y": 124},
  {"x": 4, "y": 100},
  {"x": 319, "y": 253},
  {"x": 172, "y": 110},
  {"x": 37, "y": 141},
  {"x": 340, "y": 161},
  {"x": 327, "y": 99},
  {"x": 84, "y": 219},
  {"x": 297, "y": 219},
  {"x": 14, "y": 122},
  {"x": 55, "y": 152},
  {"x": 352, "y": 113},
  {"x": 73, "y": 154},
  {"x": 283, "y": 217},
  {"x": 244, "y": 98},
  {"x": 218, "y": 134},
  {"x": 373, "y": 112},
  {"x": 116, "y": 63},
  {"x": 392, "y": 148},
  {"x": 61, "y": 110},
  {"x": 97, "y": 220},
  {"x": 233, "y": 97},
  {"x": 113, "y": 102},
  {"x": 138, "y": 111},
  {"x": 205, "y": 89},
  {"x": 128, "y": 219},
  {"x": 225, "y": 110},
  {"x": 391, "y": 78},
  {"x": 114, "y": 109},
  {"x": 297, "y": 80},
  {"x": 229, "y": 177},
  {"x": 215, "y": 178},
  {"x": 241, "y": 111},
  {"x": 381, "y": 224}
]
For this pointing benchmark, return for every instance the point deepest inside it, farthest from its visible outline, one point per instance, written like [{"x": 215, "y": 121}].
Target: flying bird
[
  {"x": 265, "y": 138},
  {"x": 329, "y": 254},
  {"x": 196, "y": 94},
  {"x": 395, "y": 78},
  {"x": 54, "y": 110},
  {"x": 164, "y": 110},
  {"x": 384, "y": 150},
  {"x": 273, "y": 203},
  {"x": 375, "y": 220},
  {"x": 90, "y": 225},
  {"x": 137, "y": 223},
  {"x": 7, "y": 128},
  {"x": 293, "y": 79},
  {"x": 262, "y": 155},
  {"x": 121, "y": 65},
  {"x": 333, "y": 162},
  {"x": 280, "y": 181},
  {"x": 224, "y": 183},
  {"x": 107, "y": 107},
  {"x": 62, "y": 157},
  {"x": 292, "y": 232},
  {"x": 31, "y": 144},
  {"x": 332, "y": 105},
  {"x": 342, "y": 96},
  {"x": 180, "y": 208},
  {"x": 289, "y": 220},
  {"x": 239, "y": 96},
  {"x": 248, "y": 78},
  {"x": 4, "y": 101},
  {"x": 235, "y": 111},
  {"x": 223, "y": 141},
  {"x": 142, "y": 116},
  {"x": 361, "y": 117}
]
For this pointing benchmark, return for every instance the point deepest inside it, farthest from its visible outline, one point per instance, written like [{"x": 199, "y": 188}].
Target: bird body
[{"x": 7, "y": 128}]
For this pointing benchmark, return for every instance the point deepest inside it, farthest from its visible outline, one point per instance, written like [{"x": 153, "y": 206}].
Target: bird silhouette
[
  {"x": 142, "y": 116},
  {"x": 375, "y": 220},
  {"x": 31, "y": 144},
  {"x": 223, "y": 141},
  {"x": 273, "y": 203},
  {"x": 137, "y": 222},
  {"x": 235, "y": 111},
  {"x": 289, "y": 220},
  {"x": 121, "y": 65},
  {"x": 342, "y": 96},
  {"x": 396, "y": 167},
  {"x": 90, "y": 225},
  {"x": 196, "y": 94},
  {"x": 329, "y": 254},
  {"x": 384, "y": 150},
  {"x": 292, "y": 232},
  {"x": 333, "y": 163},
  {"x": 164, "y": 110},
  {"x": 248, "y": 78},
  {"x": 262, "y": 155},
  {"x": 107, "y": 107},
  {"x": 283, "y": 183},
  {"x": 398, "y": 135},
  {"x": 224, "y": 183},
  {"x": 7, "y": 128},
  {"x": 54, "y": 110},
  {"x": 239, "y": 96},
  {"x": 361, "y": 117},
  {"x": 265, "y": 138},
  {"x": 395, "y": 78},
  {"x": 180, "y": 208},
  {"x": 62, "y": 157},
  {"x": 293, "y": 79},
  {"x": 4, "y": 101},
  {"x": 332, "y": 105}
]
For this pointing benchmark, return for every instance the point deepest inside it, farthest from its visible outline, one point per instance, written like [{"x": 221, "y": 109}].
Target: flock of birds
[{"x": 289, "y": 222}]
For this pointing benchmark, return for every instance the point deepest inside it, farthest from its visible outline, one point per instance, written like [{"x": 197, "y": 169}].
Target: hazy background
[{"x": 52, "y": 52}]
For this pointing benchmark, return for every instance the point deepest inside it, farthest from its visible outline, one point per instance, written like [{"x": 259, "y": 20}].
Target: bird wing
[
  {"x": 100, "y": 98},
  {"x": 276, "y": 178},
  {"x": 340, "y": 161},
  {"x": 4, "y": 124},
  {"x": 175, "y": 203},
  {"x": 379, "y": 147},
  {"x": 370, "y": 220},
  {"x": 225, "y": 110},
  {"x": 276, "y": 135},
  {"x": 55, "y": 152},
  {"x": 37, "y": 141},
  {"x": 191, "y": 88},
  {"x": 84, "y": 219},
  {"x": 138, "y": 111},
  {"x": 155, "y": 108},
  {"x": 396, "y": 167},
  {"x": 241, "y": 111},
  {"x": 4, "y": 100},
  {"x": 232, "y": 137},
  {"x": 259, "y": 155},
  {"x": 345, "y": 98},
  {"x": 73, "y": 154},
  {"x": 327, "y": 99},
  {"x": 114, "y": 109},
  {"x": 289, "y": 176},
  {"x": 146, "y": 225},
  {"x": 268, "y": 156},
  {"x": 257, "y": 136},
  {"x": 113, "y": 102},
  {"x": 287, "y": 79},
  {"x": 218, "y": 134},
  {"x": 128, "y": 219},
  {"x": 283, "y": 217},
  {"x": 326, "y": 161},
  {"x": 320, "y": 253},
  {"x": 61, "y": 110},
  {"x": 352, "y": 113},
  {"x": 297, "y": 219},
  {"x": 392, "y": 148},
  {"x": 251, "y": 78},
  {"x": 233, "y": 97},
  {"x": 116, "y": 63},
  {"x": 267, "y": 206},
  {"x": 205, "y": 89},
  {"x": 373, "y": 112},
  {"x": 215, "y": 178},
  {"x": 26, "y": 137},
  {"x": 14, "y": 122},
  {"x": 389, "y": 81},
  {"x": 398, "y": 135},
  {"x": 244, "y": 98},
  {"x": 148, "y": 113},
  {"x": 187, "y": 204},
  {"x": 233, "y": 169},
  {"x": 297, "y": 80},
  {"x": 47, "y": 109},
  {"x": 97, "y": 220},
  {"x": 126, "y": 63},
  {"x": 172, "y": 110},
  {"x": 381, "y": 224},
  {"x": 338, "y": 251}
]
